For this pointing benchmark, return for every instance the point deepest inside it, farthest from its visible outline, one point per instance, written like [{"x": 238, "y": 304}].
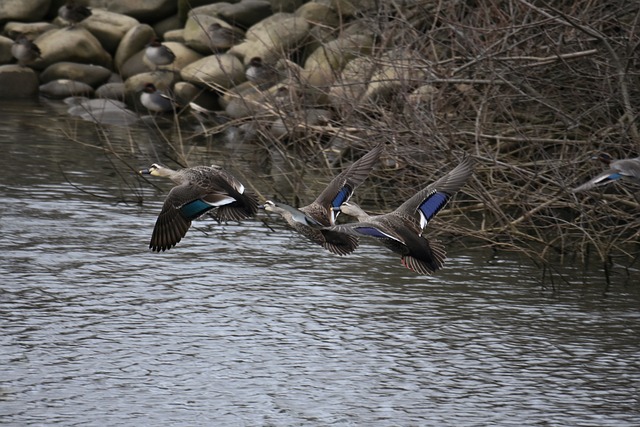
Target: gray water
[{"x": 241, "y": 325}]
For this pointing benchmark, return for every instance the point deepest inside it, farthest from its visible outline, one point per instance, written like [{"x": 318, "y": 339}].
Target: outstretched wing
[{"x": 341, "y": 188}]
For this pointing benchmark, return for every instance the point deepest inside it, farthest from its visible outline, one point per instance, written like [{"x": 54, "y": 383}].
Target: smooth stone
[
  {"x": 23, "y": 10},
  {"x": 195, "y": 34},
  {"x": 64, "y": 88},
  {"x": 134, "y": 65},
  {"x": 272, "y": 36},
  {"x": 17, "y": 82},
  {"x": 132, "y": 42},
  {"x": 93, "y": 75},
  {"x": 5, "y": 50},
  {"x": 321, "y": 66},
  {"x": 244, "y": 14},
  {"x": 111, "y": 90},
  {"x": 318, "y": 14},
  {"x": 73, "y": 45},
  {"x": 351, "y": 83},
  {"x": 282, "y": 30},
  {"x": 188, "y": 92},
  {"x": 143, "y": 10},
  {"x": 109, "y": 27},
  {"x": 103, "y": 111},
  {"x": 217, "y": 71},
  {"x": 285, "y": 5},
  {"x": 175, "y": 36},
  {"x": 31, "y": 30},
  {"x": 168, "y": 24}
]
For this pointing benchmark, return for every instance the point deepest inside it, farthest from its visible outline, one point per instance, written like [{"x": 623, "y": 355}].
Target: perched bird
[
  {"x": 261, "y": 74},
  {"x": 24, "y": 50},
  {"x": 158, "y": 54},
  {"x": 311, "y": 220},
  {"x": 401, "y": 230},
  {"x": 199, "y": 189},
  {"x": 155, "y": 100},
  {"x": 223, "y": 37},
  {"x": 74, "y": 13},
  {"x": 625, "y": 169}
]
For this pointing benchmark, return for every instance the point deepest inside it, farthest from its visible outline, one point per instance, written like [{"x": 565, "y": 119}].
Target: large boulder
[
  {"x": 31, "y": 30},
  {"x": 144, "y": 10},
  {"x": 244, "y": 14},
  {"x": 23, "y": 10},
  {"x": 5, "y": 50},
  {"x": 17, "y": 82},
  {"x": 269, "y": 38},
  {"x": 217, "y": 71},
  {"x": 72, "y": 45},
  {"x": 133, "y": 41},
  {"x": 93, "y": 75},
  {"x": 109, "y": 27}
]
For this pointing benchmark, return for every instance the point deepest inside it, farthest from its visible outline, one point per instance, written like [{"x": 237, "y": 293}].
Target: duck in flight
[
  {"x": 401, "y": 230},
  {"x": 313, "y": 220},
  {"x": 198, "y": 190}
]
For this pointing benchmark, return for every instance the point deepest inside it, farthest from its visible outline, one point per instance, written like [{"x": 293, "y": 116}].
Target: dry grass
[{"x": 530, "y": 89}]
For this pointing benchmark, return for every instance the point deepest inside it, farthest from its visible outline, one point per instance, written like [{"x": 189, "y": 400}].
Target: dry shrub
[{"x": 530, "y": 89}]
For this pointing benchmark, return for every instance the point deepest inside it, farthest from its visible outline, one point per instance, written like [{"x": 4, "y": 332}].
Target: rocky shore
[{"x": 301, "y": 48}]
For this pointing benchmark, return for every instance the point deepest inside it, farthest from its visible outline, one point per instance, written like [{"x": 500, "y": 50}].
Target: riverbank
[{"x": 530, "y": 92}]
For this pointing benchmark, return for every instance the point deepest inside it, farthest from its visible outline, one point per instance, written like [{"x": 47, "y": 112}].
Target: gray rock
[
  {"x": 168, "y": 24},
  {"x": 175, "y": 36},
  {"x": 218, "y": 71},
  {"x": 5, "y": 50},
  {"x": 327, "y": 61},
  {"x": 318, "y": 13},
  {"x": 31, "y": 30},
  {"x": 195, "y": 34},
  {"x": 17, "y": 82},
  {"x": 111, "y": 91},
  {"x": 23, "y": 10},
  {"x": 64, "y": 88},
  {"x": 133, "y": 42},
  {"x": 144, "y": 10},
  {"x": 272, "y": 36},
  {"x": 245, "y": 13},
  {"x": 187, "y": 92},
  {"x": 103, "y": 111},
  {"x": 108, "y": 27},
  {"x": 72, "y": 45},
  {"x": 285, "y": 5},
  {"x": 93, "y": 75}
]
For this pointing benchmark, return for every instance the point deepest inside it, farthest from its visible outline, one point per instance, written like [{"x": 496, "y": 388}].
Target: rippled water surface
[{"x": 244, "y": 325}]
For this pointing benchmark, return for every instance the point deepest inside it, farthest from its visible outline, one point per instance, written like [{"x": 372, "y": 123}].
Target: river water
[{"x": 246, "y": 325}]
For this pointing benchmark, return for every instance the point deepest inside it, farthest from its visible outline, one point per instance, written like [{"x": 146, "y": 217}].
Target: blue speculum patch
[
  {"x": 371, "y": 231},
  {"x": 195, "y": 209},
  {"x": 432, "y": 205},
  {"x": 341, "y": 197}
]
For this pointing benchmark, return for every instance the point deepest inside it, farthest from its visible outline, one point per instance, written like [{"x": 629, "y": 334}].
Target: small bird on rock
[
  {"x": 24, "y": 50},
  {"x": 74, "y": 13},
  {"x": 156, "y": 100},
  {"x": 223, "y": 37},
  {"x": 158, "y": 54}
]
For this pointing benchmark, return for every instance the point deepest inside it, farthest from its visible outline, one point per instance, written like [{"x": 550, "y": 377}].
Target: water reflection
[{"x": 241, "y": 325}]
